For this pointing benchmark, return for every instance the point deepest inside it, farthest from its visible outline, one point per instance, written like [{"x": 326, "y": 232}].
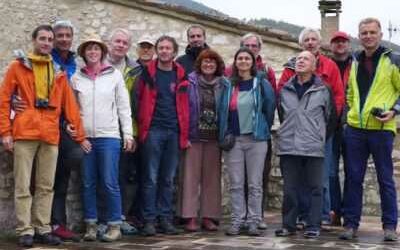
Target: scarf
[{"x": 42, "y": 67}]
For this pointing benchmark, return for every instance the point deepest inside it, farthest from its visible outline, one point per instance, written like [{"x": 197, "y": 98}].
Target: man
[
  {"x": 163, "y": 116},
  {"x": 310, "y": 40},
  {"x": 196, "y": 36},
  {"x": 34, "y": 133},
  {"x": 373, "y": 88},
  {"x": 119, "y": 43},
  {"x": 341, "y": 55},
  {"x": 145, "y": 50},
  {"x": 305, "y": 109}
]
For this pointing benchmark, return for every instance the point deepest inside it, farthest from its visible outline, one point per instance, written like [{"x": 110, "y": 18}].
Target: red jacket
[
  {"x": 147, "y": 96},
  {"x": 329, "y": 73}
]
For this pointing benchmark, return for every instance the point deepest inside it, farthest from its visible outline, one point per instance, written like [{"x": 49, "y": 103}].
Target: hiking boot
[
  {"x": 311, "y": 234},
  {"x": 166, "y": 227},
  {"x": 262, "y": 225},
  {"x": 253, "y": 230},
  {"x": 148, "y": 229},
  {"x": 128, "y": 229},
  {"x": 113, "y": 233},
  {"x": 191, "y": 225},
  {"x": 233, "y": 230},
  {"x": 348, "y": 234},
  {"x": 101, "y": 230},
  {"x": 283, "y": 232},
  {"x": 209, "y": 225},
  {"x": 91, "y": 232},
  {"x": 389, "y": 235},
  {"x": 47, "y": 239},
  {"x": 25, "y": 240},
  {"x": 65, "y": 234}
]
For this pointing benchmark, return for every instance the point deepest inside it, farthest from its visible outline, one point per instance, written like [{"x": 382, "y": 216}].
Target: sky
[{"x": 306, "y": 12}]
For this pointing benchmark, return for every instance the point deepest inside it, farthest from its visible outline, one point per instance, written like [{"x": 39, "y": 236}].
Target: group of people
[{"x": 142, "y": 121}]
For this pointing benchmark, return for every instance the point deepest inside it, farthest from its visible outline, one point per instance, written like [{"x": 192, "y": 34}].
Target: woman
[
  {"x": 105, "y": 111},
  {"x": 203, "y": 159},
  {"x": 246, "y": 111}
]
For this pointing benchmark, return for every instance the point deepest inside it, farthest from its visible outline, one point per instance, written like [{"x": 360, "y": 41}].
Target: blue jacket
[
  {"x": 263, "y": 117},
  {"x": 69, "y": 66}
]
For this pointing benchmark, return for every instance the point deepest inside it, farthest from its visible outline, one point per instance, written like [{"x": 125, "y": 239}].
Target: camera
[
  {"x": 42, "y": 103},
  {"x": 377, "y": 112}
]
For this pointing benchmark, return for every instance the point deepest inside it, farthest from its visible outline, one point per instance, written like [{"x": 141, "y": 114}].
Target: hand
[
  {"x": 18, "y": 105},
  {"x": 86, "y": 146},
  {"x": 386, "y": 116},
  {"x": 129, "y": 145},
  {"x": 8, "y": 143},
  {"x": 71, "y": 130}
]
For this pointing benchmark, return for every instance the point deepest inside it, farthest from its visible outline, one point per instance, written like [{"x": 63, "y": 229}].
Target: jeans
[
  {"x": 70, "y": 155},
  {"x": 160, "y": 157},
  {"x": 101, "y": 165},
  {"x": 360, "y": 144}
]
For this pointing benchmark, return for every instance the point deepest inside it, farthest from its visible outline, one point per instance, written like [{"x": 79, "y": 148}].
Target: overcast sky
[{"x": 306, "y": 12}]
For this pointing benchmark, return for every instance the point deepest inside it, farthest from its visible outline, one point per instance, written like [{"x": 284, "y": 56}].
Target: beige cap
[
  {"x": 93, "y": 38},
  {"x": 145, "y": 39}
]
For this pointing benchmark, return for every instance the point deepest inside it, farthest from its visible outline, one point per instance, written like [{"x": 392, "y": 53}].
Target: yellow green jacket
[{"x": 383, "y": 93}]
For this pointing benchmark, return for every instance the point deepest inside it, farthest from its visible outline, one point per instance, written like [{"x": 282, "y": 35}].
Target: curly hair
[{"x": 210, "y": 54}]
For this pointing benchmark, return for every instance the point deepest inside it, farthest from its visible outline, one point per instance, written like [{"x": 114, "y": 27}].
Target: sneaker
[
  {"x": 311, "y": 234},
  {"x": 65, "y": 234},
  {"x": 101, "y": 230},
  {"x": 113, "y": 233},
  {"x": 209, "y": 225},
  {"x": 191, "y": 225},
  {"x": 348, "y": 234},
  {"x": 301, "y": 224},
  {"x": 283, "y": 232},
  {"x": 166, "y": 227},
  {"x": 233, "y": 230},
  {"x": 253, "y": 230},
  {"x": 47, "y": 239},
  {"x": 128, "y": 229},
  {"x": 25, "y": 240},
  {"x": 262, "y": 225},
  {"x": 91, "y": 232},
  {"x": 389, "y": 235},
  {"x": 326, "y": 223},
  {"x": 148, "y": 229}
]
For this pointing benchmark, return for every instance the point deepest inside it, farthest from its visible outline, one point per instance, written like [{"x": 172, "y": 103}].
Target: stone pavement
[{"x": 370, "y": 237}]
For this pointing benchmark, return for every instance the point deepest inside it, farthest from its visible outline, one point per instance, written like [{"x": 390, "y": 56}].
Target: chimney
[{"x": 330, "y": 10}]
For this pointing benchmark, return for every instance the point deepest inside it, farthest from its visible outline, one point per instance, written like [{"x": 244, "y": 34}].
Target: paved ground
[{"x": 370, "y": 237}]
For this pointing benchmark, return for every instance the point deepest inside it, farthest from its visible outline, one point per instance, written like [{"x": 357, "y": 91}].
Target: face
[
  {"x": 370, "y": 35},
  {"x": 252, "y": 44},
  {"x": 63, "y": 39},
  {"x": 165, "y": 51},
  {"x": 119, "y": 45},
  {"x": 145, "y": 51},
  {"x": 196, "y": 37},
  {"x": 244, "y": 61},
  {"x": 305, "y": 63},
  {"x": 340, "y": 47},
  {"x": 43, "y": 43},
  {"x": 311, "y": 43},
  {"x": 93, "y": 53},
  {"x": 208, "y": 66}
]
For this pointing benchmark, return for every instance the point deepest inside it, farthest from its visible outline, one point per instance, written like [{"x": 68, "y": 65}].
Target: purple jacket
[{"x": 194, "y": 104}]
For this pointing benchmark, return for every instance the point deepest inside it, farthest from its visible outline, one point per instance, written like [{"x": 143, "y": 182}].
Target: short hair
[
  {"x": 250, "y": 35},
  {"x": 46, "y": 27},
  {"x": 210, "y": 54},
  {"x": 235, "y": 78},
  {"x": 167, "y": 38},
  {"x": 63, "y": 24},
  {"x": 370, "y": 20},
  {"x": 123, "y": 31},
  {"x": 196, "y": 26},
  {"x": 307, "y": 31}
]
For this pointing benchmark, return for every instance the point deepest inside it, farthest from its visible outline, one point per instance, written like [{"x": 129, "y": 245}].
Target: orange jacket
[{"x": 37, "y": 123}]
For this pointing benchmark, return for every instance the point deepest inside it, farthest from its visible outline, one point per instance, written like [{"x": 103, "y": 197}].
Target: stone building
[{"x": 149, "y": 18}]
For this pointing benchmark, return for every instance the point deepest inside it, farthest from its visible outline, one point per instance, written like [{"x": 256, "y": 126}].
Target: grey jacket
[{"x": 304, "y": 122}]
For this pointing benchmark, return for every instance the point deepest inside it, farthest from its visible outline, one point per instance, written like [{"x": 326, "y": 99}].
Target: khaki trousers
[{"x": 33, "y": 212}]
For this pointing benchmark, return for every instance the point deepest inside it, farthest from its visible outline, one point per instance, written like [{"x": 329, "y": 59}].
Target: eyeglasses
[{"x": 251, "y": 45}]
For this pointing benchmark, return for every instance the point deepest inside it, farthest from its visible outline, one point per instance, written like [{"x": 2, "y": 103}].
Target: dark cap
[{"x": 340, "y": 34}]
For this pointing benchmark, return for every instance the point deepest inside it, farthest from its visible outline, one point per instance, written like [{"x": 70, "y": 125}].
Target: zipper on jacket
[{"x": 94, "y": 108}]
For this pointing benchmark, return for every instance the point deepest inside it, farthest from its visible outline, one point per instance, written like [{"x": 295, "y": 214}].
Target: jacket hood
[{"x": 195, "y": 51}]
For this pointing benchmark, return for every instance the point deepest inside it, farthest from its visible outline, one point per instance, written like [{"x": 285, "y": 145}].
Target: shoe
[
  {"x": 47, "y": 239},
  {"x": 113, "y": 233},
  {"x": 262, "y": 225},
  {"x": 166, "y": 227},
  {"x": 335, "y": 219},
  {"x": 101, "y": 230},
  {"x": 91, "y": 232},
  {"x": 233, "y": 230},
  {"x": 348, "y": 234},
  {"x": 209, "y": 225},
  {"x": 283, "y": 232},
  {"x": 301, "y": 224},
  {"x": 65, "y": 234},
  {"x": 253, "y": 230},
  {"x": 25, "y": 240},
  {"x": 148, "y": 229},
  {"x": 128, "y": 229},
  {"x": 311, "y": 234},
  {"x": 389, "y": 235},
  {"x": 326, "y": 223},
  {"x": 191, "y": 225}
]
